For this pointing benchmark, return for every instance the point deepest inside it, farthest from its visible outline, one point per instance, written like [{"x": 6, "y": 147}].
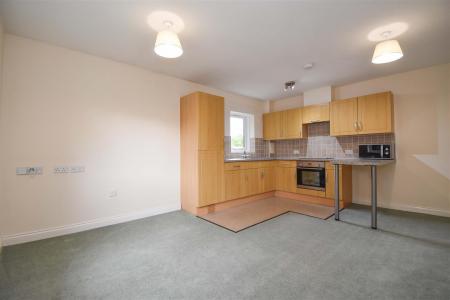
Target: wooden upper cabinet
[
  {"x": 292, "y": 123},
  {"x": 272, "y": 126},
  {"x": 362, "y": 115},
  {"x": 211, "y": 122},
  {"x": 344, "y": 117},
  {"x": 316, "y": 113},
  {"x": 375, "y": 113},
  {"x": 285, "y": 124}
]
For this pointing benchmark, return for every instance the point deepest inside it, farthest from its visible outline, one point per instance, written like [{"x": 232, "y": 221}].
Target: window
[{"x": 241, "y": 125}]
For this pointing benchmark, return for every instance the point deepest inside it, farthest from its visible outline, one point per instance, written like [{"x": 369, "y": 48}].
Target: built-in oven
[{"x": 311, "y": 175}]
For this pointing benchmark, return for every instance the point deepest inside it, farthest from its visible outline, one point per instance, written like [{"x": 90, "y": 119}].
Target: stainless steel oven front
[{"x": 311, "y": 175}]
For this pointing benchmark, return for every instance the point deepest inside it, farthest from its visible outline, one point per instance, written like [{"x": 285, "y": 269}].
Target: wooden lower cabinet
[
  {"x": 246, "y": 179},
  {"x": 252, "y": 178},
  {"x": 249, "y": 182},
  {"x": 232, "y": 184},
  {"x": 267, "y": 180},
  {"x": 286, "y": 179}
]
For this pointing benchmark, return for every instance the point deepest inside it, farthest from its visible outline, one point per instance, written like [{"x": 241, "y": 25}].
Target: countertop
[
  {"x": 362, "y": 162},
  {"x": 337, "y": 161},
  {"x": 278, "y": 158}
]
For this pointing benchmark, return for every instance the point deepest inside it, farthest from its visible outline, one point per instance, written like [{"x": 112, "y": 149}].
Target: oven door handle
[{"x": 310, "y": 168}]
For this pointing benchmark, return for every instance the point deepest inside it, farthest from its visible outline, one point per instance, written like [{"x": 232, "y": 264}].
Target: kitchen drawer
[
  {"x": 267, "y": 164},
  {"x": 287, "y": 163},
  {"x": 230, "y": 166}
]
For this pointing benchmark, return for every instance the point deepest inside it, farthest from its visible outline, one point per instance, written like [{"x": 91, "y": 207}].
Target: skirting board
[
  {"x": 83, "y": 226},
  {"x": 417, "y": 209}
]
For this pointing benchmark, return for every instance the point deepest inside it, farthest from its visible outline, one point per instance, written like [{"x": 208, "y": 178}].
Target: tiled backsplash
[
  {"x": 318, "y": 144},
  {"x": 258, "y": 148}
]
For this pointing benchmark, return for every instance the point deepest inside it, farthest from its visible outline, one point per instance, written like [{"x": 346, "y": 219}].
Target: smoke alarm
[{"x": 289, "y": 86}]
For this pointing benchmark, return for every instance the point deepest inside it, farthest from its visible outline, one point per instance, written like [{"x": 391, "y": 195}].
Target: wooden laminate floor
[{"x": 243, "y": 216}]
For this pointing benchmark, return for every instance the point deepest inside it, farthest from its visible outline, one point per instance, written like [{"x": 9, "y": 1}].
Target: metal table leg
[
  {"x": 336, "y": 192},
  {"x": 373, "y": 170}
]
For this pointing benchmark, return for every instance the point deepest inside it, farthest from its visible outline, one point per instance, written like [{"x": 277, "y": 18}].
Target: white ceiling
[{"x": 247, "y": 47}]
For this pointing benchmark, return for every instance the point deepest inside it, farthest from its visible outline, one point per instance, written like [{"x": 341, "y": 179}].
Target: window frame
[{"x": 246, "y": 132}]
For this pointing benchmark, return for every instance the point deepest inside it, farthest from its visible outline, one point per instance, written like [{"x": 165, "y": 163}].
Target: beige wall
[
  {"x": 420, "y": 179},
  {"x": 63, "y": 107},
  {"x": 286, "y": 103}
]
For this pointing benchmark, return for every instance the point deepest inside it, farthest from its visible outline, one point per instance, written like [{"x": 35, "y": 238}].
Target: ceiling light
[
  {"x": 387, "y": 51},
  {"x": 168, "y": 44},
  {"x": 168, "y": 25},
  {"x": 290, "y": 85}
]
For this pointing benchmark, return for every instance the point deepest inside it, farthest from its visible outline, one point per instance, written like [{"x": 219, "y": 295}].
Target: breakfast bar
[{"x": 373, "y": 164}]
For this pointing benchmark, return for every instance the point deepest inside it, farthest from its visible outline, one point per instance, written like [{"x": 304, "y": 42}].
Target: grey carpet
[{"x": 178, "y": 256}]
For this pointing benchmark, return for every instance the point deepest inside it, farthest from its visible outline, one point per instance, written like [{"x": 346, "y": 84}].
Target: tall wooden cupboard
[{"x": 202, "y": 157}]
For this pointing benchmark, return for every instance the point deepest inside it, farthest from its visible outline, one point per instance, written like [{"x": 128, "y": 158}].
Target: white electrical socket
[
  {"x": 296, "y": 151},
  {"x": 348, "y": 152},
  {"x": 29, "y": 171},
  {"x": 68, "y": 169}
]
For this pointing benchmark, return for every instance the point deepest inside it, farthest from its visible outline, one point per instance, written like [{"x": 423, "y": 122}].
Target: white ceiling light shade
[
  {"x": 168, "y": 44},
  {"x": 168, "y": 25},
  {"x": 386, "y": 52}
]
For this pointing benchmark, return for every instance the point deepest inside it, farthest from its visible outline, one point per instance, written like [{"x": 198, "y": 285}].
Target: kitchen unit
[
  {"x": 250, "y": 178},
  {"x": 209, "y": 183},
  {"x": 316, "y": 113},
  {"x": 369, "y": 114},
  {"x": 287, "y": 124},
  {"x": 244, "y": 179},
  {"x": 202, "y": 138}
]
